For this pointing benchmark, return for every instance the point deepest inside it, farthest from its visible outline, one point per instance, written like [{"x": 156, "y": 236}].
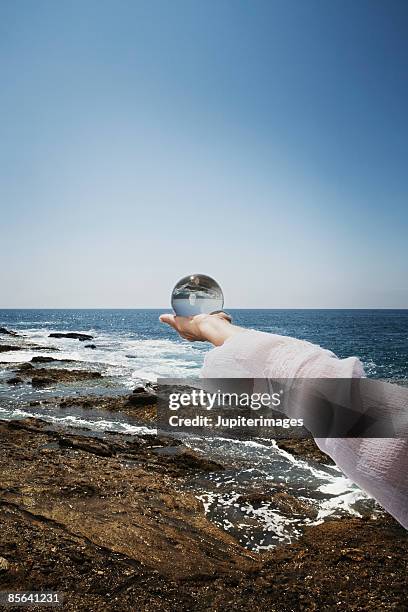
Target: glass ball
[{"x": 196, "y": 294}]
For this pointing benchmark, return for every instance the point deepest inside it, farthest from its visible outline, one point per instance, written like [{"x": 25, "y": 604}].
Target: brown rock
[
  {"x": 42, "y": 359},
  {"x": 88, "y": 445},
  {"x": 189, "y": 458},
  {"x": 47, "y": 376},
  {"x": 4, "y": 565},
  {"x": 124, "y": 535},
  {"x": 24, "y": 367},
  {"x": 305, "y": 448}
]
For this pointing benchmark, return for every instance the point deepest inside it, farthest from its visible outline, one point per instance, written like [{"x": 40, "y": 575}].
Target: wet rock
[
  {"x": 281, "y": 500},
  {"x": 7, "y": 332},
  {"x": 164, "y": 441},
  {"x": 42, "y": 359},
  {"x": 14, "y": 381},
  {"x": 96, "y": 447},
  {"x": 145, "y": 414},
  {"x": 40, "y": 377},
  {"x": 28, "y": 424},
  {"x": 38, "y": 383},
  {"x": 73, "y": 335},
  {"x": 187, "y": 457},
  {"x": 142, "y": 397},
  {"x": 90, "y": 346},
  {"x": 257, "y": 498},
  {"x": 25, "y": 367},
  {"x": 35, "y": 347},
  {"x": 291, "y": 506},
  {"x": 5, "y": 348},
  {"x": 139, "y": 389},
  {"x": 111, "y": 404}
]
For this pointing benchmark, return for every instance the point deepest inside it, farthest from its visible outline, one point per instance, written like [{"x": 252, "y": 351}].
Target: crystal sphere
[{"x": 196, "y": 294}]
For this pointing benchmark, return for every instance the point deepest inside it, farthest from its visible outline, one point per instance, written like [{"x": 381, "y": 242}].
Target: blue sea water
[{"x": 136, "y": 341}]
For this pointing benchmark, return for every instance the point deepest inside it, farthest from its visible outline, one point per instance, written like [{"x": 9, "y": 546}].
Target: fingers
[
  {"x": 169, "y": 319},
  {"x": 178, "y": 323}
]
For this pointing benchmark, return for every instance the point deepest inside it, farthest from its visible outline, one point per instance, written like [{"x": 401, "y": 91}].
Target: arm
[{"x": 378, "y": 465}]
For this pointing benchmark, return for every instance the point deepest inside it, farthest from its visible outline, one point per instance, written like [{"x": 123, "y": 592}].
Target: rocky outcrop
[
  {"x": 7, "y": 332},
  {"x": 116, "y": 492},
  {"x": 42, "y": 359},
  {"x": 15, "y": 381},
  {"x": 25, "y": 367},
  {"x": 41, "y": 377},
  {"x": 72, "y": 335},
  {"x": 5, "y": 348},
  {"x": 107, "y": 521},
  {"x": 35, "y": 347},
  {"x": 142, "y": 397}
]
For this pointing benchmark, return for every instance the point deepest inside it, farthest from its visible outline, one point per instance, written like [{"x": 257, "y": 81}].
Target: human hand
[{"x": 214, "y": 328}]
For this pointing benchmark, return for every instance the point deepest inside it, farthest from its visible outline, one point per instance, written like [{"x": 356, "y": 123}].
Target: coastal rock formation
[
  {"x": 106, "y": 520},
  {"x": 73, "y": 335},
  {"x": 45, "y": 359},
  {"x": 118, "y": 492},
  {"x": 40, "y": 377},
  {"x": 143, "y": 411}
]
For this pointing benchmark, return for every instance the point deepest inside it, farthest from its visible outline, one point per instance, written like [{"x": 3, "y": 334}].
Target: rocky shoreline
[{"x": 106, "y": 519}]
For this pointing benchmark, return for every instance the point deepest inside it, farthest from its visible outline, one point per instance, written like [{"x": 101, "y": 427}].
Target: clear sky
[{"x": 263, "y": 143}]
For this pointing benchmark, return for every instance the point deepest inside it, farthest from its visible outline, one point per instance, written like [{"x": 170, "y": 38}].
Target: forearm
[
  {"x": 379, "y": 466},
  {"x": 253, "y": 354}
]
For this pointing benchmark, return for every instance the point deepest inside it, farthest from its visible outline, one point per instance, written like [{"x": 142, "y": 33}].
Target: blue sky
[{"x": 263, "y": 143}]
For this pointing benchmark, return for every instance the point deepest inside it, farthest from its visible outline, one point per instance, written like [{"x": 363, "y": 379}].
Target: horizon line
[{"x": 231, "y": 308}]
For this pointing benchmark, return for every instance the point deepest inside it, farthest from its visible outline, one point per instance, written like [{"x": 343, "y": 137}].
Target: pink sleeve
[{"x": 378, "y": 465}]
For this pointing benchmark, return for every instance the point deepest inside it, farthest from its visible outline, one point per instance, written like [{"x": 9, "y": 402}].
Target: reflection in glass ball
[{"x": 196, "y": 294}]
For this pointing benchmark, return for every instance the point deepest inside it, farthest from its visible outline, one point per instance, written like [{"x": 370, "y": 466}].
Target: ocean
[{"x": 132, "y": 346}]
